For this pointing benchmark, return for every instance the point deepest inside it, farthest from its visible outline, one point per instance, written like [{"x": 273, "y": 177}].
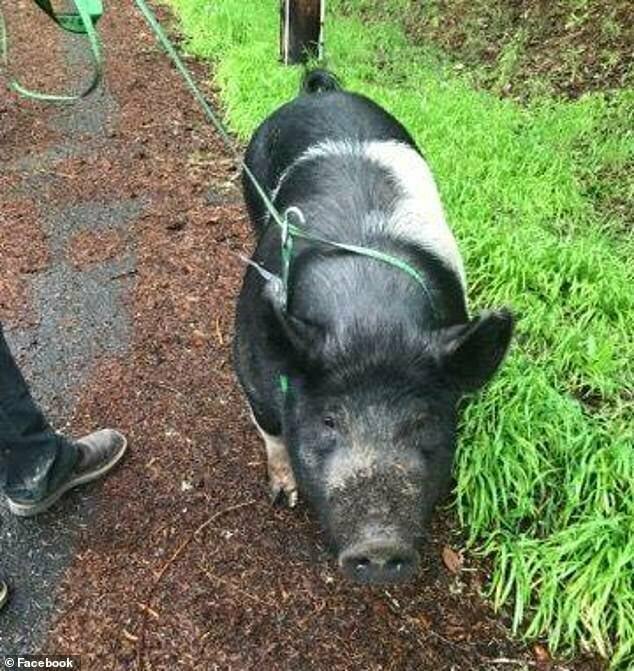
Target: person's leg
[
  {"x": 38, "y": 465},
  {"x": 35, "y": 458}
]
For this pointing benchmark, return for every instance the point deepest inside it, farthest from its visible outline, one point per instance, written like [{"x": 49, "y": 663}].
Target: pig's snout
[{"x": 379, "y": 561}]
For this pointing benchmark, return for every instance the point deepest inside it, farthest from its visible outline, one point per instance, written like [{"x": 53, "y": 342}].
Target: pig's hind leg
[{"x": 281, "y": 476}]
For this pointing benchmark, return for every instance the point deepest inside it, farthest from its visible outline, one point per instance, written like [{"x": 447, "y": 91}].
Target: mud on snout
[{"x": 376, "y": 519}]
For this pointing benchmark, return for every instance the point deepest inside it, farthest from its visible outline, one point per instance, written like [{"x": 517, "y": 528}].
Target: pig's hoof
[
  {"x": 292, "y": 497},
  {"x": 283, "y": 486},
  {"x": 281, "y": 477}
]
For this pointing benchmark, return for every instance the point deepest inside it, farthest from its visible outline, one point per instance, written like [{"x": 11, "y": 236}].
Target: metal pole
[{"x": 301, "y": 33}]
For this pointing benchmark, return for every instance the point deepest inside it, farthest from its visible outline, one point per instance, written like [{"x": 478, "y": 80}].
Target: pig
[{"x": 354, "y": 370}]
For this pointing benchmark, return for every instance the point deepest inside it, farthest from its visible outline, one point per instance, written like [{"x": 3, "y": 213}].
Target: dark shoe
[
  {"x": 4, "y": 593},
  {"x": 98, "y": 453}
]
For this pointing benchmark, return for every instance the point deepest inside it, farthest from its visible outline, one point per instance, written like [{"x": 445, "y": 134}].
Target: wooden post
[{"x": 301, "y": 30}]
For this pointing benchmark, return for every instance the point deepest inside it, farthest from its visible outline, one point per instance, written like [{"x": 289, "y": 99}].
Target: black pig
[{"x": 374, "y": 357}]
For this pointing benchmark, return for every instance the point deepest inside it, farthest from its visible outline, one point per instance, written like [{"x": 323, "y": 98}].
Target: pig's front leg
[{"x": 281, "y": 476}]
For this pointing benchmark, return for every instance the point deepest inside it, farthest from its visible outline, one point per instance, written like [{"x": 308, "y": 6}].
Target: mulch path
[
  {"x": 186, "y": 564},
  {"x": 23, "y": 251},
  {"x": 88, "y": 248},
  {"x": 23, "y": 130}
]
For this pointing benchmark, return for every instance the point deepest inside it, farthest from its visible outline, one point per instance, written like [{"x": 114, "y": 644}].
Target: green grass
[{"x": 546, "y": 460}]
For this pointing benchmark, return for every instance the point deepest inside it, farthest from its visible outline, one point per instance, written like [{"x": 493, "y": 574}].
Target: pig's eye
[{"x": 329, "y": 421}]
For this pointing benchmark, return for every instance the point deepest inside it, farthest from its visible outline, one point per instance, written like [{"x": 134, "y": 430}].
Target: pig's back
[{"x": 307, "y": 122}]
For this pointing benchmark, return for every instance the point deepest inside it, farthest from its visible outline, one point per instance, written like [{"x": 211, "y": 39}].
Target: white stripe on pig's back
[{"x": 418, "y": 216}]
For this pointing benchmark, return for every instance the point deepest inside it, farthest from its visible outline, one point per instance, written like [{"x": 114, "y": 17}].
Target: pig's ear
[
  {"x": 303, "y": 338},
  {"x": 469, "y": 354},
  {"x": 297, "y": 340}
]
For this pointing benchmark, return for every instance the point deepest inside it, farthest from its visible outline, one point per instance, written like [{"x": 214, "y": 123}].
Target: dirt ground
[
  {"x": 185, "y": 563},
  {"x": 523, "y": 48}
]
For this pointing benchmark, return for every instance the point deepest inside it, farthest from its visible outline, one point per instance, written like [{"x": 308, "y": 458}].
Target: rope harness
[
  {"x": 81, "y": 22},
  {"x": 288, "y": 230}
]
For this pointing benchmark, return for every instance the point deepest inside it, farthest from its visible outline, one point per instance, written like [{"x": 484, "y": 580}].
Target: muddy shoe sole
[{"x": 30, "y": 509}]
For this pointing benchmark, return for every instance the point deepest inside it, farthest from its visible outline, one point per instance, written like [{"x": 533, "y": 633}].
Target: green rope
[
  {"x": 288, "y": 230},
  {"x": 215, "y": 121},
  {"x": 80, "y": 22}
]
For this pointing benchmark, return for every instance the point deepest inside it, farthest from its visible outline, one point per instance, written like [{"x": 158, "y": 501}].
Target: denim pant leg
[{"x": 33, "y": 458}]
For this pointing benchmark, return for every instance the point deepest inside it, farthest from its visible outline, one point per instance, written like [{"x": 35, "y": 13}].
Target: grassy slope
[
  {"x": 545, "y": 481},
  {"x": 526, "y": 48}
]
